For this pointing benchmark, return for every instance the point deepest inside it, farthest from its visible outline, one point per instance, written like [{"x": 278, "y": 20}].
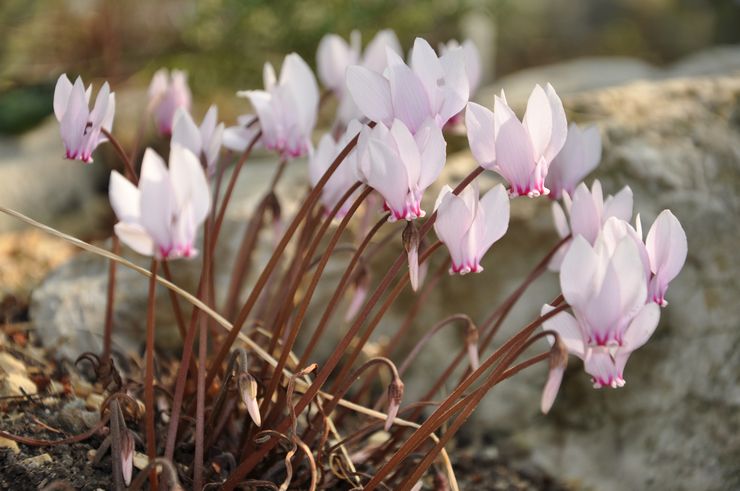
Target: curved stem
[
  {"x": 339, "y": 291},
  {"x": 298, "y": 320},
  {"x": 230, "y": 189},
  {"x": 430, "y": 333},
  {"x": 323, "y": 374},
  {"x": 475, "y": 398},
  {"x": 127, "y": 164},
  {"x": 308, "y": 204},
  {"x": 441, "y": 414},
  {"x": 151, "y": 441}
]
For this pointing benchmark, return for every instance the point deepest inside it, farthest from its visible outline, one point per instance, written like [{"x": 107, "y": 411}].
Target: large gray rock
[
  {"x": 674, "y": 425},
  {"x": 37, "y": 181},
  {"x": 68, "y": 308}
]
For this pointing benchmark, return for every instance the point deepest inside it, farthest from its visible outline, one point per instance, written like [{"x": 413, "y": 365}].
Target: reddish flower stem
[
  {"x": 298, "y": 319},
  {"x": 497, "y": 315},
  {"x": 109, "y": 303},
  {"x": 249, "y": 463},
  {"x": 127, "y": 164},
  {"x": 151, "y": 441},
  {"x": 500, "y": 373},
  {"x": 241, "y": 318},
  {"x": 339, "y": 291},
  {"x": 230, "y": 189},
  {"x": 440, "y": 415}
]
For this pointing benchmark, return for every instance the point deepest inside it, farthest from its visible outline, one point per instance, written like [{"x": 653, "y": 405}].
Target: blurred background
[
  {"x": 224, "y": 43},
  {"x": 661, "y": 79}
]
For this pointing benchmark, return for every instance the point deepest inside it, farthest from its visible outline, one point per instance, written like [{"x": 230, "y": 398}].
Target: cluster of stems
[{"x": 277, "y": 420}]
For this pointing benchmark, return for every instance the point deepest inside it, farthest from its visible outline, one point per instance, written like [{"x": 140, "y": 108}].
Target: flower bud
[
  {"x": 471, "y": 341},
  {"x": 558, "y": 362},
  {"x": 362, "y": 282},
  {"x": 411, "y": 244},
  {"x": 127, "y": 455},
  {"x": 395, "y": 394},
  {"x": 247, "y": 385}
]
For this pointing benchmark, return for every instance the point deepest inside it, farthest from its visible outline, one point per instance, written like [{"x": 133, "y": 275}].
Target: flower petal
[
  {"x": 372, "y": 94},
  {"x": 480, "y": 128}
]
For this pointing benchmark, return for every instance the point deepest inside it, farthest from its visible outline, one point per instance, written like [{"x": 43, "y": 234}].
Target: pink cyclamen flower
[
  {"x": 203, "y": 141},
  {"x": 334, "y": 55},
  {"x": 401, "y": 165},
  {"x": 432, "y": 87},
  {"x": 345, "y": 175},
  {"x": 168, "y": 91},
  {"x": 469, "y": 226},
  {"x": 587, "y": 212},
  {"x": 667, "y": 249},
  {"x": 578, "y": 157},
  {"x": 606, "y": 287},
  {"x": 161, "y": 217},
  {"x": 520, "y": 152},
  {"x": 80, "y": 127},
  {"x": 287, "y": 108}
]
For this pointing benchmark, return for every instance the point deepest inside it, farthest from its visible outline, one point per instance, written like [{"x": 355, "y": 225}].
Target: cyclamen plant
[{"x": 253, "y": 397}]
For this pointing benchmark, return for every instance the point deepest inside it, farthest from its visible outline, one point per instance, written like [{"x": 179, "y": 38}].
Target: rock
[
  {"x": 75, "y": 418},
  {"x": 68, "y": 308},
  {"x": 591, "y": 73},
  {"x": 10, "y": 445},
  {"x": 26, "y": 257},
  {"x": 674, "y": 425},
  {"x": 36, "y": 181},
  {"x": 13, "y": 377},
  {"x": 37, "y": 461}
]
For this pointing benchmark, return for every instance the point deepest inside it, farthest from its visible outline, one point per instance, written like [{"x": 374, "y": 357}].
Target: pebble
[
  {"x": 38, "y": 460},
  {"x": 10, "y": 444}
]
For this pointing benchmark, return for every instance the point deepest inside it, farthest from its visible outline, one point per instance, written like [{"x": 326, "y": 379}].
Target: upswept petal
[
  {"x": 156, "y": 199},
  {"x": 411, "y": 102},
  {"x": 371, "y": 93},
  {"x": 62, "y": 93},
  {"x": 479, "y": 121},
  {"x": 189, "y": 183},
  {"x": 577, "y": 272},
  {"x": 433, "y": 148},
  {"x": 667, "y": 246},
  {"x": 388, "y": 176},
  {"x": 456, "y": 89},
  {"x": 185, "y": 132},
  {"x": 427, "y": 67},
  {"x": 124, "y": 198},
  {"x": 514, "y": 154},
  {"x": 495, "y": 205},
  {"x": 407, "y": 151},
  {"x": 375, "y": 57},
  {"x": 298, "y": 78},
  {"x": 619, "y": 205},
  {"x": 454, "y": 219},
  {"x": 567, "y": 328},
  {"x": 135, "y": 237},
  {"x": 642, "y": 327},
  {"x": 585, "y": 217},
  {"x": 332, "y": 58},
  {"x": 580, "y": 155}
]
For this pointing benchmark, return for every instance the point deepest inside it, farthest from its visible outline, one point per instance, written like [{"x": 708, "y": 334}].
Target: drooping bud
[
  {"x": 361, "y": 283},
  {"x": 127, "y": 455},
  {"x": 247, "y": 385},
  {"x": 273, "y": 206},
  {"x": 441, "y": 483},
  {"x": 471, "y": 341},
  {"x": 411, "y": 244},
  {"x": 395, "y": 394},
  {"x": 558, "y": 361}
]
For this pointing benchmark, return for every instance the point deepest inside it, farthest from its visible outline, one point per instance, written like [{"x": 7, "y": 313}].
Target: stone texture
[{"x": 675, "y": 424}]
